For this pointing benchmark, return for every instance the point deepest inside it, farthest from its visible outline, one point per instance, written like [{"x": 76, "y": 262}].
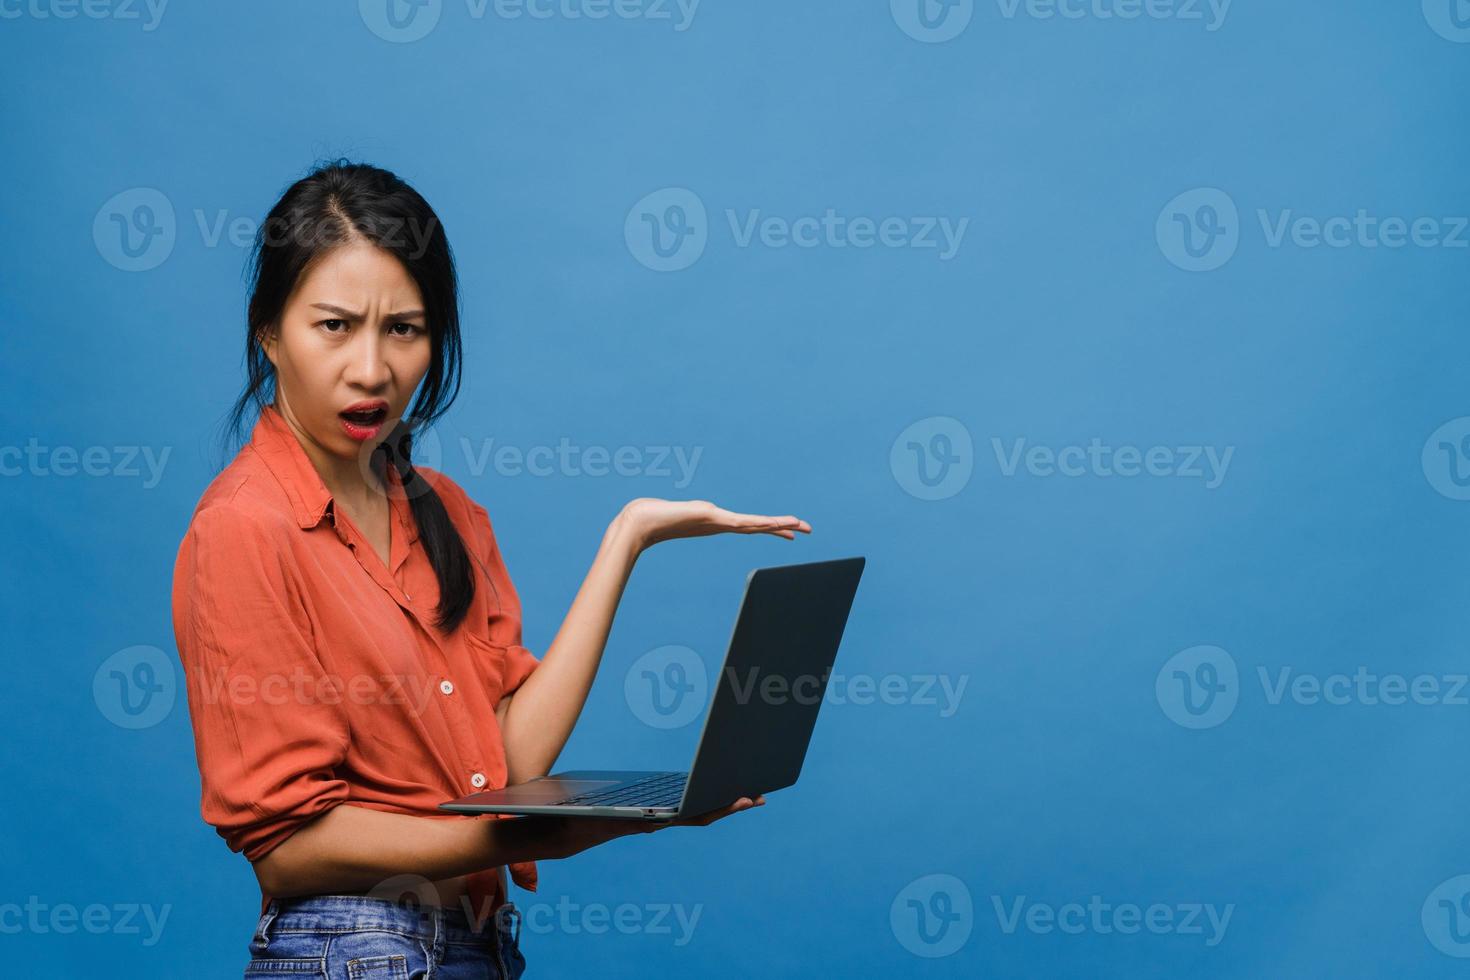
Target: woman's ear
[{"x": 268, "y": 338}]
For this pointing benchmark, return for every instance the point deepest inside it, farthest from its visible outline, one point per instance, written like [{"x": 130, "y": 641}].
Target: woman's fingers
[
  {"x": 785, "y": 527},
  {"x": 705, "y": 819}
]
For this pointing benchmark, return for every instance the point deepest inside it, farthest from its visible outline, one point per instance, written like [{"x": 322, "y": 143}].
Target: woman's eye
[
  {"x": 407, "y": 329},
  {"x": 328, "y": 324}
]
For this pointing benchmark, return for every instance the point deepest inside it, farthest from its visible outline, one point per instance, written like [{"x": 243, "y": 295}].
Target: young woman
[{"x": 350, "y": 636}]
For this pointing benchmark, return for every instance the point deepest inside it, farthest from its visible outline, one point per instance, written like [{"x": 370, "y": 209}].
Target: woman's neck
[{"x": 345, "y": 479}]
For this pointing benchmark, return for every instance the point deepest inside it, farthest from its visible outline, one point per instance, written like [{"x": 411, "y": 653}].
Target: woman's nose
[{"x": 366, "y": 366}]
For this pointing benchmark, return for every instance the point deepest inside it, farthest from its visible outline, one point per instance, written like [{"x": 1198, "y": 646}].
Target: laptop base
[{"x": 613, "y": 793}]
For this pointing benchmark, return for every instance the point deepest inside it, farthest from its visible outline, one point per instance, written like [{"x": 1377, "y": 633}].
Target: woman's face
[{"x": 352, "y": 339}]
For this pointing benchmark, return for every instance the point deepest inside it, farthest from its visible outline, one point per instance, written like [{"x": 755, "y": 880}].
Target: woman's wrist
[
  {"x": 625, "y": 533},
  {"x": 517, "y": 839}
]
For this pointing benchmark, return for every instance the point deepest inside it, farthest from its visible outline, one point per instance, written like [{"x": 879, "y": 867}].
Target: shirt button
[
  {"x": 446, "y": 687},
  {"x": 478, "y": 780}
]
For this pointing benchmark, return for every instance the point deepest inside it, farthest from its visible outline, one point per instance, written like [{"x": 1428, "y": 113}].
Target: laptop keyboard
[{"x": 663, "y": 790}]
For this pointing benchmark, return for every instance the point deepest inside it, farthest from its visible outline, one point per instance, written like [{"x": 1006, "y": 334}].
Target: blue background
[{"x": 1327, "y": 547}]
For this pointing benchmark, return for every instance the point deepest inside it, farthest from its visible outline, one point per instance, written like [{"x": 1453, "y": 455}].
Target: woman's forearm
[
  {"x": 539, "y": 717},
  {"x": 354, "y": 849}
]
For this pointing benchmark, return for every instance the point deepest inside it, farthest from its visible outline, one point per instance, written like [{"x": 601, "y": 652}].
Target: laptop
[{"x": 760, "y": 719}]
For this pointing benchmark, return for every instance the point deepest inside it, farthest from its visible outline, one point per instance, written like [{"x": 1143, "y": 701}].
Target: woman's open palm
[
  {"x": 561, "y": 837},
  {"x": 658, "y": 520}
]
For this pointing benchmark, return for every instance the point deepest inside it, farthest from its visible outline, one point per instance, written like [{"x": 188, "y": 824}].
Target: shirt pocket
[{"x": 489, "y": 664}]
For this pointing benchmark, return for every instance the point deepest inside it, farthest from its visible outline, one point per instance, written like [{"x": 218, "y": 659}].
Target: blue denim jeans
[{"x": 356, "y": 937}]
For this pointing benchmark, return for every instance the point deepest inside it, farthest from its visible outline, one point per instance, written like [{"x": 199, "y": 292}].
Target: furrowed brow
[
  {"x": 339, "y": 311},
  {"x": 350, "y": 315}
]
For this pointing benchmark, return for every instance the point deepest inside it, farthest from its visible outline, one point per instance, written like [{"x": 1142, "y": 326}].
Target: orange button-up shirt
[{"x": 315, "y": 675}]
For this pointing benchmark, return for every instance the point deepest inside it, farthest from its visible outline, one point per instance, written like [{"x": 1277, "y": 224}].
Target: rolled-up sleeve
[
  {"x": 268, "y": 742},
  {"x": 519, "y": 664}
]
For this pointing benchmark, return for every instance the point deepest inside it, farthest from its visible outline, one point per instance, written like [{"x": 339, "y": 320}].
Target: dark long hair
[{"x": 336, "y": 203}]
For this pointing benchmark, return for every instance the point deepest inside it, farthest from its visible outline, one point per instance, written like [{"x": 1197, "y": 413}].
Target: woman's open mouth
[{"x": 363, "y": 420}]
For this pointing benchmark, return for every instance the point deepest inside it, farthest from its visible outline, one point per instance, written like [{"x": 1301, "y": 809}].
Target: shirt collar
[{"x": 287, "y": 461}]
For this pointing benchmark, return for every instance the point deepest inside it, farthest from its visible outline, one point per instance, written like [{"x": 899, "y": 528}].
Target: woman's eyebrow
[{"x": 349, "y": 315}]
